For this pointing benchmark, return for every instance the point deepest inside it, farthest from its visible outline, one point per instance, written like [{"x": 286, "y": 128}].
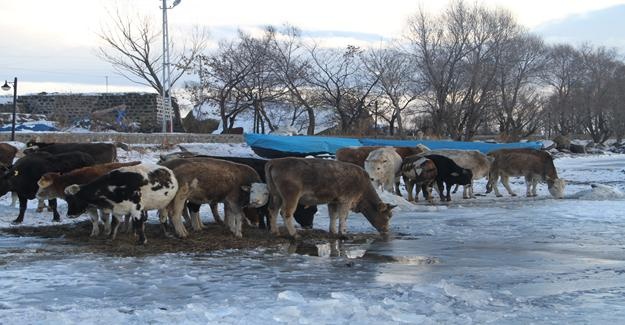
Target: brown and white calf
[
  {"x": 534, "y": 165},
  {"x": 52, "y": 186},
  {"x": 342, "y": 186},
  {"x": 383, "y": 166},
  {"x": 206, "y": 180},
  {"x": 419, "y": 173},
  {"x": 477, "y": 162}
]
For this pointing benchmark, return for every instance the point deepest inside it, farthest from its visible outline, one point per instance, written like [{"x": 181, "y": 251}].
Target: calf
[
  {"x": 477, "y": 162},
  {"x": 304, "y": 215},
  {"x": 342, "y": 186},
  {"x": 534, "y": 165},
  {"x": 22, "y": 177},
  {"x": 449, "y": 174},
  {"x": 358, "y": 155},
  {"x": 127, "y": 190},
  {"x": 206, "y": 180},
  {"x": 101, "y": 152},
  {"x": 383, "y": 166},
  {"x": 52, "y": 186},
  {"x": 419, "y": 172}
]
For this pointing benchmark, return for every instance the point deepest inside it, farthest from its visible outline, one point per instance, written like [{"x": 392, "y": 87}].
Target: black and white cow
[
  {"x": 449, "y": 174},
  {"x": 127, "y": 190}
]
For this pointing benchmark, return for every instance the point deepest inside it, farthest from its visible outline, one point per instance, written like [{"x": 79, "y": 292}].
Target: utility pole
[{"x": 167, "y": 113}]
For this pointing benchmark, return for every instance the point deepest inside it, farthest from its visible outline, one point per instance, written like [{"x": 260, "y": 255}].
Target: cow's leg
[
  {"x": 288, "y": 209},
  {"x": 56, "y": 217},
  {"x": 95, "y": 221},
  {"x": 456, "y": 189},
  {"x": 114, "y": 226},
  {"x": 528, "y": 185},
  {"x": 179, "y": 203},
  {"x": 409, "y": 185},
  {"x": 534, "y": 185},
  {"x": 106, "y": 219},
  {"x": 194, "y": 210},
  {"x": 448, "y": 190},
  {"x": 427, "y": 190},
  {"x": 333, "y": 213},
  {"x": 389, "y": 184},
  {"x": 215, "y": 212},
  {"x": 23, "y": 206},
  {"x": 138, "y": 224},
  {"x": 493, "y": 185},
  {"x": 273, "y": 207},
  {"x": 235, "y": 218},
  {"x": 440, "y": 190},
  {"x": 343, "y": 211},
  {"x": 41, "y": 204},
  {"x": 505, "y": 181},
  {"x": 397, "y": 191}
]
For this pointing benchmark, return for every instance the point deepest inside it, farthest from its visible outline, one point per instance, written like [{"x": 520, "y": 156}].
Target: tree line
[{"x": 464, "y": 71}]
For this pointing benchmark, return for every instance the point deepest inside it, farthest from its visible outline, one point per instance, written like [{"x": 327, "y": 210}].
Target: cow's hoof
[
  {"x": 56, "y": 219},
  {"x": 498, "y": 195},
  {"x": 16, "y": 222}
]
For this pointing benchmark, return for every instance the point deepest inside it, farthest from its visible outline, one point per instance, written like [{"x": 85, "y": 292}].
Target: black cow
[
  {"x": 449, "y": 173},
  {"x": 22, "y": 177},
  {"x": 102, "y": 153},
  {"x": 304, "y": 215}
]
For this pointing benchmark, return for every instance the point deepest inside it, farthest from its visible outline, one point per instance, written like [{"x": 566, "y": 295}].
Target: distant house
[{"x": 68, "y": 109}]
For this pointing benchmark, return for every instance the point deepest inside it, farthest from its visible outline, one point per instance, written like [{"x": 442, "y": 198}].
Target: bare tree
[
  {"x": 518, "y": 80},
  {"x": 292, "y": 66},
  {"x": 398, "y": 84},
  {"x": 131, "y": 46},
  {"x": 342, "y": 83}
]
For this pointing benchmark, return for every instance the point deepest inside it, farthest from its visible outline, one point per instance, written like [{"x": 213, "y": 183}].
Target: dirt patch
[{"x": 213, "y": 238}]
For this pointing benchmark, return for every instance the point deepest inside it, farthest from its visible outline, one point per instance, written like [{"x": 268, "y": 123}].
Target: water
[{"x": 488, "y": 260}]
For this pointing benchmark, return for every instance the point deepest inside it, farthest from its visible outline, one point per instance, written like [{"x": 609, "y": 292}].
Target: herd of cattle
[{"x": 89, "y": 178}]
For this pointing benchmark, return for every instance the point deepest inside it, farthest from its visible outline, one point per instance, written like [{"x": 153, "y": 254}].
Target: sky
[{"x": 50, "y": 45}]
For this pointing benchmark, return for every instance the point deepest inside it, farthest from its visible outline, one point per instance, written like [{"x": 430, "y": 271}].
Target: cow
[
  {"x": 304, "y": 215},
  {"x": 477, "y": 162},
  {"x": 52, "y": 186},
  {"x": 342, "y": 186},
  {"x": 126, "y": 190},
  {"x": 383, "y": 166},
  {"x": 358, "y": 155},
  {"x": 206, "y": 180},
  {"x": 7, "y": 155},
  {"x": 449, "y": 174},
  {"x": 101, "y": 152},
  {"x": 22, "y": 177},
  {"x": 419, "y": 172},
  {"x": 534, "y": 165}
]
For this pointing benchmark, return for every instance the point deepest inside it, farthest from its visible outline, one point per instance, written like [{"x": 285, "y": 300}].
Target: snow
[{"x": 512, "y": 260}]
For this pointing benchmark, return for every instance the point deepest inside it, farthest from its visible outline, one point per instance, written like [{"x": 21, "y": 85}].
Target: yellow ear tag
[{"x": 15, "y": 173}]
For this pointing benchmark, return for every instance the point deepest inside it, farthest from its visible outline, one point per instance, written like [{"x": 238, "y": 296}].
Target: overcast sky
[{"x": 50, "y": 45}]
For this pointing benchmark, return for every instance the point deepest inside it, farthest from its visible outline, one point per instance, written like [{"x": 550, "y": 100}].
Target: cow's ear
[
  {"x": 72, "y": 189},
  {"x": 454, "y": 174},
  {"x": 246, "y": 188}
]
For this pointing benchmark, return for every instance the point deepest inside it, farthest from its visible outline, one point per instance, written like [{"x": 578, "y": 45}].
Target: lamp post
[
  {"x": 6, "y": 87},
  {"x": 166, "y": 84}
]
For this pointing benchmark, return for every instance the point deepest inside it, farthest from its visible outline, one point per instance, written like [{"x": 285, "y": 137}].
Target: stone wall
[
  {"x": 70, "y": 108},
  {"x": 130, "y": 138}
]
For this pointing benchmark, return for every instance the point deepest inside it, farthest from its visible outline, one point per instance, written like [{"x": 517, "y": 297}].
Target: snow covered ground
[{"x": 486, "y": 260}]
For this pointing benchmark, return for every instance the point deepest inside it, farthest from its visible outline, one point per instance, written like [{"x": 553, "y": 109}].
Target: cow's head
[
  {"x": 463, "y": 176},
  {"x": 46, "y": 191},
  {"x": 382, "y": 217},
  {"x": 75, "y": 205},
  {"x": 556, "y": 187}
]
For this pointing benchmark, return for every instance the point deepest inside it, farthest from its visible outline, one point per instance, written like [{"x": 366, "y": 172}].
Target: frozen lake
[{"x": 501, "y": 260}]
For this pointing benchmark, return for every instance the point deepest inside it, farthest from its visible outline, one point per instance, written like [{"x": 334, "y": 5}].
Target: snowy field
[{"x": 485, "y": 260}]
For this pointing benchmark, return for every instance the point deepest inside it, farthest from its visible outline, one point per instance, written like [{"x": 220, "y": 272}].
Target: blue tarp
[
  {"x": 304, "y": 145},
  {"x": 29, "y": 127},
  {"x": 301, "y": 144},
  {"x": 459, "y": 145}
]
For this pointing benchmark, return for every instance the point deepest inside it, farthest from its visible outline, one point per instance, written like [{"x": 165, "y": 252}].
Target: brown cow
[
  {"x": 534, "y": 165},
  {"x": 342, "y": 186},
  {"x": 206, "y": 180},
  {"x": 7, "y": 154},
  {"x": 52, "y": 186}
]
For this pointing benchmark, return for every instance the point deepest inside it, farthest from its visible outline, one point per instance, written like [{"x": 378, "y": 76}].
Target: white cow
[{"x": 384, "y": 167}]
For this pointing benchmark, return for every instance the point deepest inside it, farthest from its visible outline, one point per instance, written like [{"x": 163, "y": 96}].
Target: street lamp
[
  {"x": 167, "y": 110},
  {"x": 6, "y": 87}
]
